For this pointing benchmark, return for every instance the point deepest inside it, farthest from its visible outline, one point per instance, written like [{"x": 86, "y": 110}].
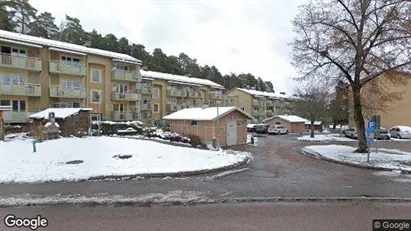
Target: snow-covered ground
[
  {"x": 19, "y": 163},
  {"x": 385, "y": 158},
  {"x": 249, "y": 140},
  {"x": 324, "y": 138}
]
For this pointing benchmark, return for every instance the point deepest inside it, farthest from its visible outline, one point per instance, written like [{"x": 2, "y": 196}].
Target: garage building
[
  {"x": 231, "y": 129},
  {"x": 293, "y": 123}
]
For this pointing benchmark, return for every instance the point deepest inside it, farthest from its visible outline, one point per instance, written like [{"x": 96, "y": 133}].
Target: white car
[
  {"x": 277, "y": 129},
  {"x": 401, "y": 132}
]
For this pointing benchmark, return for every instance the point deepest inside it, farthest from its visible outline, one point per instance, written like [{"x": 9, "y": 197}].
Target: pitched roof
[
  {"x": 180, "y": 78},
  {"x": 7, "y": 36},
  {"x": 59, "y": 113},
  {"x": 315, "y": 123},
  {"x": 264, "y": 93},
  {"x": 288, "y": 118},
  {"x": 209, "y": 113}
]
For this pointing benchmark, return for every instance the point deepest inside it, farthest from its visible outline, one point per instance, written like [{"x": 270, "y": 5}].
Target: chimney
[{"x": 282, "y": 93}]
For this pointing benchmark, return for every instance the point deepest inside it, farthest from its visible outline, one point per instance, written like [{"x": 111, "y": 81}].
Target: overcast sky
[{"x": 235, "y": 36}]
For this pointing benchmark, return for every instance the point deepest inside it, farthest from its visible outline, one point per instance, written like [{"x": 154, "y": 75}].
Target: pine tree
[{"x": 43, "y": 26}]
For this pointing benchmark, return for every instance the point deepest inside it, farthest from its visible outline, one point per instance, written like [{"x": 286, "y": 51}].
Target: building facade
[
  {"x": 170, "y": 93},
  {"x": 37, "y": 73},
  {"x": 261, "y": 105}
]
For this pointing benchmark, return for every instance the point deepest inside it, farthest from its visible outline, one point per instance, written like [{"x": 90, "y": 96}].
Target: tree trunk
[
  {"x": 312, "y": 129},
  {"x": 359, "y": 121},
  {"x": 334, "y": 125}
]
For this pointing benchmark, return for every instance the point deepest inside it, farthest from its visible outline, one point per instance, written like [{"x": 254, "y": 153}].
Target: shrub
[{"x": 195, "y": 140}]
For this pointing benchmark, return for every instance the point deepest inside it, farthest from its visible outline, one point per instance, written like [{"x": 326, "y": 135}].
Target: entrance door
[{"x": 231, "y": 132}]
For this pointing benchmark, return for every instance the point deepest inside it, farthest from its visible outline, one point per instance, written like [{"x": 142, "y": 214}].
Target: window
[
  {"x": 12, "y": 79},
  {"x": 242, "y": 99},
  {"x": 15, "y": 51},
  {"x": 121, "y": 67},
  {"x": 71, "y": 84},
  {"x": 155, "y": 108},
  {"x": 4, "y": 102},
  {"x": 16, "y": 105},
  {"x": 95, "y": 96},
  {"x": 172, "y": 101},
  {"x": 118, "y": 107},
  {"x": 231, "y": 100},
  {"x": 122, "y": 88},
  {"x": 277, "y": 123},
  {"x": 193, "y": 122},
  {"x": 70, "y": 60},
  {"x": 156, "y": 93},
  {"x": 22, "y": 105},
  {"x": 96, "y": 76},
  {"x": 95, "y": 117}
]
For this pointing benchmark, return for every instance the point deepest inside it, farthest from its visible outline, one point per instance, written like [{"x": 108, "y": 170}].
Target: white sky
[{"x": 235, "y": 36}]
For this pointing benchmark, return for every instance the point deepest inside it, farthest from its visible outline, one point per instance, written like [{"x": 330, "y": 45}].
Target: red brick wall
[{"x": 292, "y": 127}]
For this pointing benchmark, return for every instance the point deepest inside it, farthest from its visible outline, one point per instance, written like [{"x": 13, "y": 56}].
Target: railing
[
  {"x": 127, "y": 96},
  {"x": 173, "y": 107},
  {"x": 132, "y": 76},
  {"x": 61, "y": 92},
  {"x": 146, "y": 90},
  {"x": 29, "y": 89},
  {"x": 67, "y": 68},
  {"x": 269, "y": 103},
  {"x": 145, "y": 106},
  {"x": 193, "y": 94},
  {"x": 28, "y": 63},
  {"x": 125, "y": 116},
  {"x": 16, "y": 117},
  {"x": 174, "y": 92},
  {"x": 255, "y": 102}
]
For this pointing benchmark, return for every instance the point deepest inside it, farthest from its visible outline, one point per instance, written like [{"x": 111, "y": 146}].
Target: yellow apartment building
[
  {"x": 38, "y": 73},
  {"x": 261, "y": 105},
  {"x": 166, "y": 93},
  {"x": 394, "y": 113}
]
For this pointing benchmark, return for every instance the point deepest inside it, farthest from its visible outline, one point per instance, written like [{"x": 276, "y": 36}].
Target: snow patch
[{"x": 324, "y": 138}]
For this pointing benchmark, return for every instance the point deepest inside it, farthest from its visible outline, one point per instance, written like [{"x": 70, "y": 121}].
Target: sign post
[{"x": 370, "y": 136}]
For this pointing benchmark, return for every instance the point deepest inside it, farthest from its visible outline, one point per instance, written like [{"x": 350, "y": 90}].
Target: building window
[
  {"x": 231, "y": 100},
  {"x": 4, "y": 102},
  {"x": 96, "y": 76},
  {"x": 121, "y": 88},
  {"x": 193, "y": 122},
  {"x": 155, "y": 108},
  {"x": 156, "y": 93},
  {"x": 172, "y": 101},
  {"x": 95, "y": 96},
  {"x": 11, "y": 79},
  {"x": 121, "y": 67},
  {"x": 242, "y": 99},
  {"x": 14, "y": 51},
  {"x": 71, "y": 84},
  {"x": 17, "y": 105},
  {"x": 70, "y": 60}
]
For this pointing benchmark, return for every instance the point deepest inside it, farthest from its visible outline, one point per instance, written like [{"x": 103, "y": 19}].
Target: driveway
[{"x": 278, "y": 170}]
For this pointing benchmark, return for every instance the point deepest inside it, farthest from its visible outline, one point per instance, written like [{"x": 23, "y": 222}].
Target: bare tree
[
  {"x": 355, "y": 41},
  {"x": 312, "y": 103}
]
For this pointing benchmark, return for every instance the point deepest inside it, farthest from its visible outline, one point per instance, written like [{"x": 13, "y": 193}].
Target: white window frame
[
  {"x": 121, "y": 107},
  {"x": 121, "y": 88},
  {"x": 92, "y": 76},
  {"x": 91, "y": 96},
  {"x": 69, "y": 84},
  {"x": 18, "y": 104},
  {"x": 19, "y": 50},
  {"x": 13, "y": 79}
]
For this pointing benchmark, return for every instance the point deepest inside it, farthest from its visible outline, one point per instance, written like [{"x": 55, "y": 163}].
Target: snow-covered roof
[
  {"x": 63, "y": 45},
  {"x": 288, "y": 118},
  {"x": 209, "y": 113},
  {"x": 263, "y": 93},
  {"x": 180, "y": 78},
  {"x": 315, "y": 122},
  {"x": 59, "y": 113}
]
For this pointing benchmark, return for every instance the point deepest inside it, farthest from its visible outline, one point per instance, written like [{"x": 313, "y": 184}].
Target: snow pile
[
  {"x": 16, "y": 136},
  {"x": 209, "y": 113},
  {"x": 59, "y": 113},
  {"x": 385, "y": 158},
  {"x": 135, "y": 123},
  {"x": 324, "y": 138},
  {"x": 20, "y": 164}
]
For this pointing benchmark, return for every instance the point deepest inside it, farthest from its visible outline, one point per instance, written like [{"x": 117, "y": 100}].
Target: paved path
[
  {"x": 258, "y": 216},
  {"x": 278, "y": 170}
]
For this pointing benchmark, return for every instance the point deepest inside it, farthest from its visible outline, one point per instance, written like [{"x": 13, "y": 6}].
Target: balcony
[
  {"x": 125, "y": 116},
  {"x": 255, "y": 102},
  {"x": 16, "y": 117},
  {"x": 74, "y": 93},
  {"x": 67, "y": 68},
  {"x": 22, "y": 90},
  {"x": 125, "y": 96},
  {"x": 173, "y": 107},
  {"x": 20, "y": 62},
  {"x": 269, "y": 103},
  {"x": 193, "y": 94},
  {"x": 120, "y": 75},
  {"x": 262, "y": 113},
  {"x": 269, "y": 113},
  {"x": 174, "y": 92},
  {"x": 254, "y": 113},
  {"x": 146, "y": 90},
  {"x": 145, "y": 107},
  {"x": 216, "y": 94}
]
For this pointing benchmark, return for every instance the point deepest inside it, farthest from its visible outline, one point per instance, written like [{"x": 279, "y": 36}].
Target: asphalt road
[
  {"x": 269, "y": 216},
  {"x": 278, "y": 170}
]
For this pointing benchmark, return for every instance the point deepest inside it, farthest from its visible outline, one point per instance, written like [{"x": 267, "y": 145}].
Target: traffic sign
[{"x": 371, "y": 127}]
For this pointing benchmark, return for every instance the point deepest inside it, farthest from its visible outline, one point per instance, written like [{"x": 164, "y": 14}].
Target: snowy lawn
[
  {"x": 324, "y": 138},
  {"x": 100, "y": 158},
  {"x": 392, "y": 159}
]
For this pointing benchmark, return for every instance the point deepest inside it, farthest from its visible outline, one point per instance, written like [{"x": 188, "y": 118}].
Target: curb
[
  {"x": 172, "y": 174},
  {"x": 311, "y": 199},
  {"x": 317, "y": 155}
]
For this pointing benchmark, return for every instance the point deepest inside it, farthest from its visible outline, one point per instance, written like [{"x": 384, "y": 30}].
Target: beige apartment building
[
  {"x": 261, "y": 105},
  {"x": 163, "y": 94},
  {"x": 397, "y": 112},
  {"x": 37, "y": 73}
]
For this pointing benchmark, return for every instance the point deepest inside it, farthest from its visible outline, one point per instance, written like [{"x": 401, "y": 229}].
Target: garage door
[{"x": 231, "y": 132}]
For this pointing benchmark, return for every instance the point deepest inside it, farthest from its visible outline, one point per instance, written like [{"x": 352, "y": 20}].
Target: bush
[
  {"x": 110, "y": 128},
  {"x": 195, "y": 140}
]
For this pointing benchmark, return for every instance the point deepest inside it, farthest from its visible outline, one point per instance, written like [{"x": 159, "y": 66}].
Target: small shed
[
  {"x": 230, "y": 130},
  {"x": 318, "y": 126},
  {"x": 71, "y": 121},
  {"x": 293, "y": 123}
]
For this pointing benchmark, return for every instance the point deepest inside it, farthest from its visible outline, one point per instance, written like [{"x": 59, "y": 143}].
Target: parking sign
[{"x": 371, "y": 127}]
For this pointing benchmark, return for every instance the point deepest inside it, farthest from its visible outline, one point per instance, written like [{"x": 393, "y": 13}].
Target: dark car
[
  {"x": 251, "y": 127},
  {"x": 383, "y": 134},
  {"x": 262, "y": 128}
]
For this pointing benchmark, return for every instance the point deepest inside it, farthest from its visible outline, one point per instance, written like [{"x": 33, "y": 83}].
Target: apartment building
[
  {"x": 165, "y": 93},
  {"x": 261, "y": 105},
  {"x": 38, "y": 73}
]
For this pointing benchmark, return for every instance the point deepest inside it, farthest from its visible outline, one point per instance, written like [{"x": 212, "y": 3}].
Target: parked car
[
  {"x": 351, "y": 133},
  {"x": 401, "y": 132},
  {"x": 261, "y": 128},
  {"x": 383, "y": 134},
  {"x": 251, "y": 127},
  {"x": 277, "y": 129}
]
